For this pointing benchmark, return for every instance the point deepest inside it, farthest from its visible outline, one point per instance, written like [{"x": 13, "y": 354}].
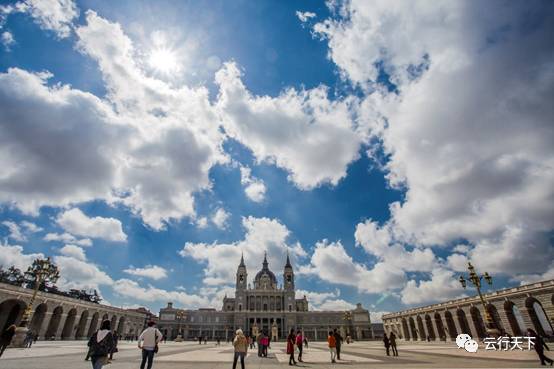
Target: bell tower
[
  {"x": 288, "y": 276},
  {"x": 241, "y": 275}
]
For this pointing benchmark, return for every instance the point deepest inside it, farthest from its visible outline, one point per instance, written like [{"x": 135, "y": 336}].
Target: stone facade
[
  {"x": 513, "y": 310},
  {"x": 59, "y": 317},
  {"x": 265, "y": 305}
]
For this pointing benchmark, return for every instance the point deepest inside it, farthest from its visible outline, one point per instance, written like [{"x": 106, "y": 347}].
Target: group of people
[
  {"x": 390, "y": 343},
  {"x": 103, "y": 343},
  {"x": 334, "y": 341},
  {"x": 298, "y": 341}
]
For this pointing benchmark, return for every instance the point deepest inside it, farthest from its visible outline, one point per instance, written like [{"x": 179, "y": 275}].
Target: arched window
[
  {"x": 518, "y": 318},
  {"x": 543, "y": 320}
]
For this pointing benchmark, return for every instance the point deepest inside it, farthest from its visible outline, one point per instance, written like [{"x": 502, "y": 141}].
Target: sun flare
[{"x": 163, "y": 60}]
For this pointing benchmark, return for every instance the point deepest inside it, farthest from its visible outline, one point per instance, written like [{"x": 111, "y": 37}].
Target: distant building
[
  {"x": 513, "y": 311},
  {"x": 378, "y": 330},
  {"x": 263, "y": 306}
]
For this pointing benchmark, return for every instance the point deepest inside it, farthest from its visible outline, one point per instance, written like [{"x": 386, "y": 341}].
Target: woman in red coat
[{"x": 290, "y": 347}]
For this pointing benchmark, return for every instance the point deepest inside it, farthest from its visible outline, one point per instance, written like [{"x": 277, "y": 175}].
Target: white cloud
[
  {"x": 477, "y": 163},
  {"x": 220, "y": 218},
  {"x": 262, "y": 234},
  {"x": 15, "y": 233},
  {"x": 331, "y": 263},
  {"x": 150, "y": 271},
  {"x": 379, "y": 242},
  {"x": 324, "y": 300},
  {"x": 79, "y": 273},
  {"x": 176, "y": 131},
  {"x": 202, "y": 222},
  {"x": 7, "y": 40},
  {"x": 337, "y": 304},
  {"x": 443, "y": 285},
  {"x": 377, "y": 316},
  {"x": 52, "y": 15},
  {"x": 303, "y": 132},
  {"x": 67, "y": 238},
  {"x": 31, "y": 227},
  {"x": 254, "y": 188},
  {"x": 131, "y": 289},
  {"x": 73, "y": 251},
  {"x": 14, "y": 255},
  {"x": 305, "y": 16},
  {"x": 76, "y": 222}
]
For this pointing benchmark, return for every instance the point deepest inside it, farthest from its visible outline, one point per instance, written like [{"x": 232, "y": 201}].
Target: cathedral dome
[{"x": 265, "y": 279}]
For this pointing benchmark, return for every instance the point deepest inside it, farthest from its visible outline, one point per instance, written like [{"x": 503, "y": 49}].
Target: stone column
[
  {"x": 456, "y": 322},
  {"x": 471, "y": 324},
  {"x": 45, "y": 324},
  {"x": 425, "y": 329},
  {"x": 87, "y": 326},
  {"x": 61, "y": 325}
]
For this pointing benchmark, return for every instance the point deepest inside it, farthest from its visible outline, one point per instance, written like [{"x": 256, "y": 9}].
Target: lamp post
[
  {"x": 475, "y": 279},
  {"x": 347, "y": 319},
  {"x": 41, "y": 270},
  {"x": 180, "y": 316}
]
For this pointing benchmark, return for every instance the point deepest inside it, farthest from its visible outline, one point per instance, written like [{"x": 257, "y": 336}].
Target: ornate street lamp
[
  {"x": 475, "y": 280},
  {"x": 40, "y": 271},
  {"x": 347, "y": 317},
  {"x": 180, "y": 315}
]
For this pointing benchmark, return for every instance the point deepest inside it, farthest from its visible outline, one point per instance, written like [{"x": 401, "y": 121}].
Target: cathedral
[{"x": 264, "y": 305}]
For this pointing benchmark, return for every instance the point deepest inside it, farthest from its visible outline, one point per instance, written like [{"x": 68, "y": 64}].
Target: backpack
[{"x": 102, "y": 348}]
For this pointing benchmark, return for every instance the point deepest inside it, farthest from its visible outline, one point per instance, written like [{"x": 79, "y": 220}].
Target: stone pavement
[{"x": 70, "y": 355}]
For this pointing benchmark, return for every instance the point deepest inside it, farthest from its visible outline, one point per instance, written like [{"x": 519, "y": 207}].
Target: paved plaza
[{"x": 70, "y": 355}]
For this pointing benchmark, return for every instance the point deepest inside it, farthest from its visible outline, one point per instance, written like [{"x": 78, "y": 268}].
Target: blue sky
[{"x": 147, "y": 145}]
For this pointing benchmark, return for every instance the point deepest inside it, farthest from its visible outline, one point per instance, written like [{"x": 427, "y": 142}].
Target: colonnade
[{"x": 513, "y": 312}]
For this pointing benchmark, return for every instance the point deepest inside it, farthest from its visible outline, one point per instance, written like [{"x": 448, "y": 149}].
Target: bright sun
[{"x": 163, "y": 60}]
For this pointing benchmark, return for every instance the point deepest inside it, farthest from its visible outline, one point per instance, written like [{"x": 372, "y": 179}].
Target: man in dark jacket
[
  {"x": 338, "y": 339},
  {"x": 6, "y": 338}
]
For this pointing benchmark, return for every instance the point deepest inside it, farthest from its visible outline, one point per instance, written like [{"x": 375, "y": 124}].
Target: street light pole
[
  {"x": 41, "y": 270},
  {"x": 475, "y": 279}
]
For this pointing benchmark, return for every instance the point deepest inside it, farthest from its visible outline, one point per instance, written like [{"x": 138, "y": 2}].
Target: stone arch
[
  {"x": 421, "y": 328},
  {"x": 38, "y": 318},
  {"x": 67, "y": 332},
  {"x": 493, "y": 312},
  {"x": 478, "y": 322},
  {"x": 430, "y": 328},
  {"x": 54, "y": 322},
  {"x": 413, "y": 330},
  {"x": 113, "y": 323},
  {"x": 440, "y": 327},
  {"x": 11, "y": 312},
  {"x": 405, "y": 329},
  {"x": 538, "y": 317},
  {"x": 515, "y": 320},
  {"x": 450, "y": 325},
  {"x": 82, "y": 325},
  {"x": 462, "y": 321},
  {"x": 105, "y": 317},
  {"x": 121, "y": 326},
  {"x": 93, "y": 324}
]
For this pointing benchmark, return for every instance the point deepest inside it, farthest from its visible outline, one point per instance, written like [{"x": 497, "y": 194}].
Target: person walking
[
  {"x": 265, "y": 343},
  {"x": 299, "y": 344},
  {"x": 148, "y": 343},
  {"x": 291, "y": 341},
  {"x": 392, "y": 340},
  {"x": 386, "y": 342},
  {"x": 28, "y": 341},
  {"x": 539, "y": 347},
  {"x": 332, "y": 343},
  {"x": 241, "y": 348},
  {"x": 338, "y": 340},
  {"x": 6, "y": 338},
  {"x": 101, "y": 344},
  {"x": 306, "y": 341}
]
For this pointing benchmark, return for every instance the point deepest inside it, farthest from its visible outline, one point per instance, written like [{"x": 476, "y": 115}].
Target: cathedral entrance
[{"x": 265, "y": 324}]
